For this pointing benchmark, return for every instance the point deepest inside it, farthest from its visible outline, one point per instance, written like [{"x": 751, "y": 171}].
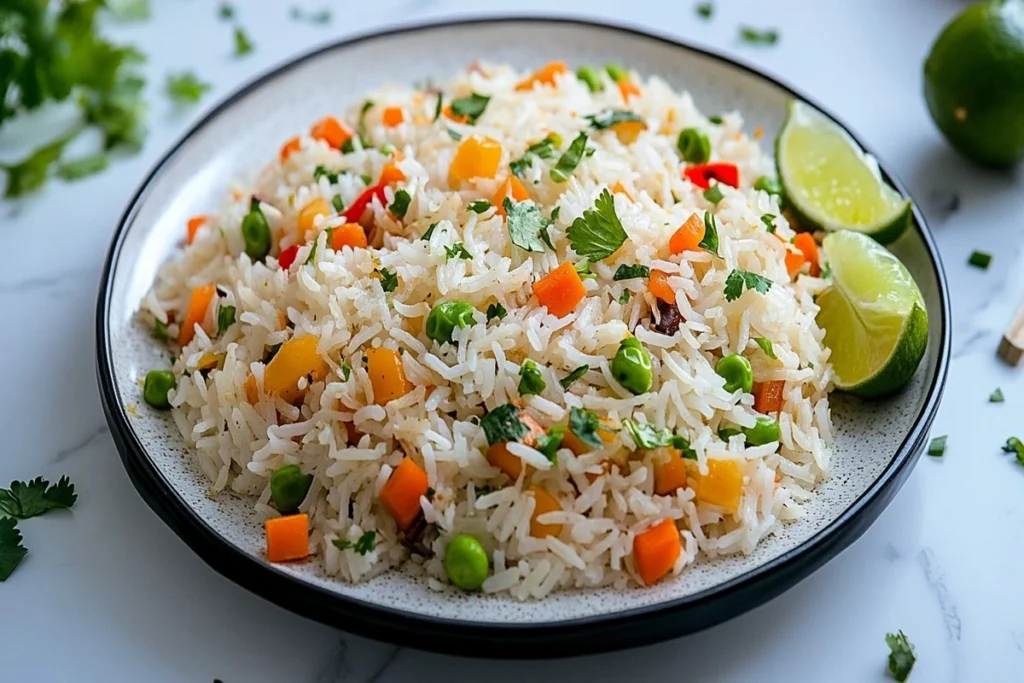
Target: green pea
[
  {"x": 765, "y": 430},
  {"x": 631, "y": 366},
  {"x": 617, "y": 73},
  {"x": 445, "y": 316},
  {"x": 466, "y": 562},
  {"x": 256, "y": 232},
  {"x": 592, "y": 77},
  {"x": 158, "y": 384},
  {"x": 737, "y": 373},
  {"x": 694, "y": 146},
  {"x": 771, "y": 186},
  {"x": 288, "y": 488}
]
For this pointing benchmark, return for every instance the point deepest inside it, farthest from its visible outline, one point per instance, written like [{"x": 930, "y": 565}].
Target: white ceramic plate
[{"x": 875, "y": 446}]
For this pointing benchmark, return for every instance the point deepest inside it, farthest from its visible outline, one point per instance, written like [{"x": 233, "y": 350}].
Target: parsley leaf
[
  {"x": 769, "y": 222},
  {"x": 705, "y": 10},
  {"x": 472, "y": 107},
  {"x": 625, "y": 272},
  {"x": 766, "y": 346},
  {"x": 609, "y": 117},
  {"x": 1013, "y": 445},
  {"x": 243, "y": 45},
  {"x": 576, "y": 374},
  {"x": 525, "y": 222},
  {"x": 759, "y": 37},
  {"x": 225, "y": 319},
  {"x": 185, "y": 88},
  {"x": 388, "y": 279},
  {"x": 710, "y": 241},
  {"x": 584, "y": 424},
  {"x": 530, "y": 379},
  {"x": 549, "y": 443},
  {"x": 76, "y": 169},
  {"x": 714, "y": 194},
  {"x": 901, "y": 655},
  {"x": 363, "y": 546},
  {"x": 495, "y": 311},
  {"x": 598, "y": 233},
  {"x": 503, "y": 424},
  {"x": 937, "y": 447},
  {"x": 36, "y": 497},
  {"x": 400, "y": 206},
  {"x": 429, "y": 232},
  {"x": 479, "y": 206},
  {"x": 738, "y": 279},
  {"x": 456, "y": 250},
  {"x": 570, "y": 159},
  {"x": 996, "y": 396},
  {"x": 12, "y": 552}
]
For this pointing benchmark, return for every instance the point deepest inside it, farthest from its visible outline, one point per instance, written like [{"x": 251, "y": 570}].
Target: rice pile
[{"x": 351, "y": 444}]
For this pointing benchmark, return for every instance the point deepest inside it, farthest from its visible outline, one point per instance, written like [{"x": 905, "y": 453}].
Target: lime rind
[{"x": 813, "y": 154}]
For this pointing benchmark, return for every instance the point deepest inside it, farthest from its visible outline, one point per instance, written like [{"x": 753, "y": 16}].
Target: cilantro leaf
[
  {"x": 714, "y": 194},
  {"x": 584, "y": 424},
  {"x": 36, "y": 497},
  {"x": 457, "y": 250},
  {"x": 633, "y": 272},
  {"x": 364, "y": 545},
  {"x": 83, "y": 167},
  {"x": 495, "y": 311},
  {"x": 710, "y": 241},
  {"x": 545, "y": 149},
  {"x": 388, "y": 279},
  {"x": 1013, "y": 445},
  {"x": 400, "y": 206},
  {"x": 645, "y": 435},
  {"x": 738, "y": 279},
  {"x": 479, "y": 206},
  {"x": 12, "y": 552},
  {"x": 339, "y": 205},
  {"x": 901, "y": 655},
  {"x": 30, "y": 173},
  {"x": 243, "y": 45},
  {"x": 758, "y": 37},
  {"x": 525, "y": 222},
  {"x": 185, "y": 88},
  {"x": 576, "y": 374},
  {"x": 321, "y": 171},
  {"x": 472, "y": 107},
  {"x": 503, "y": 424},
  {"x": 550, "y": 442},
  {"x": 769, "y": 222},
  {"x": 570, "y": 159},
  {"x": 598, "y": 233},
  {"x": 225, "y": 319},
  {"x": 609, "y": 117},
  {"x": 530, "y": 379},
  {"x": 129, "y": 10},
  {"x": 766, "y": 346}
]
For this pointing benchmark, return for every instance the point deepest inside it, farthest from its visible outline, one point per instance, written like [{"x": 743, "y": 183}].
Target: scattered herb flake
[
  {"x": 626, "y": 272},
  {"x": 717, "y": 120},
  {"x": 321, "y": 172},
  {"x": 457, "y": 250},
  {"x": 531, "y": 381},
  {"x": 429, "y": 232},
  {"x": 363, "y": 546},
  {"x": 338, "y": 203},
  {"x": 479, "y": 206},
  {"x": 225, "y": 11},
  {"x": 129, "y": 10},
  {"x": 346, "y": 371},
  {"x": 549, "y": 443},
  {"x": 243, "y": 45},
  {"x": 225, "y": 319},
  {"x": 568, "y": 380},
  {"x": 624, "y": 297},
  {"x": 495, "y": 311},
  {"x": 76, "y": 169},
  {"x": 366, "y": 178},
  {"x": 710, "y": 241},
  {"x": 766, "y": 346},
  {"x": 759, "y": 37},
  {"x": 738, "y": 279},
  {"x": 503, "y": 424},
  {"x": 472, "y": 107},
  {"x": 996, "y": 396},
  {"x": 980, "y": 259},
  {"x": 1014, "y": 445},
  {"x": 320, "y": 17},
  {"x": 185, "y": 88},
  {"x": 525, "y": 223},
  {"x": 519, "y": 166},
  {"x": 160, "y": 330},
  {"x": 584, "y": 424},
  {"x": 400, "y": 206},
  {"x": 901, "y": 655},
  {"x": 598, "y": 233},
  {"x": 570, "y": 159},
  {"x": 713, "y": 194},
  {"x": 937, "y": 447},
  {"x": 23, "y": 500},
  {"x": 583, "y": 270},
  {"x": 769, "y": 222},
  {"x": 705, "y": 10},
  {"x": 388, "y": 279},
  {"x": 454, "y": 134},
  {"x": 609, "y": 117},
  {"x": 12, "y": 552}
]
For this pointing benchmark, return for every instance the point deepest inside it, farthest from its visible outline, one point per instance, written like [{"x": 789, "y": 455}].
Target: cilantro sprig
[
  {"x": 472, "y": 107},
  {"x": 598, "y": 233},
  {"x": 739, "y": 279},
  {"x": 23, "y": 500},
  {"x": 525, "y": 223}
]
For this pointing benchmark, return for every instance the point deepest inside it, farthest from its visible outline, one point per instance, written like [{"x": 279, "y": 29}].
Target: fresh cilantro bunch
[{"x": 21, "y": 501}]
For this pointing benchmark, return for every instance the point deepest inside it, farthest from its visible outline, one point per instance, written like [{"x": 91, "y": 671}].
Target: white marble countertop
[{"x": 111, "y": 594}]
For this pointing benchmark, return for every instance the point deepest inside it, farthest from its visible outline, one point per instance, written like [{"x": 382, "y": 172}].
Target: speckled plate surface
[{"x": 876, "y": 444}]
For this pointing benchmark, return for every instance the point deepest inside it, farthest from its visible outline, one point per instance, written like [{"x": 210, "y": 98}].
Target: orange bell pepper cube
[
  {"x": 401, "y": 493},
  {"x": 561, "y": 290},
  {"x": 287, "y": 538},
  {"x": 656, "y": 550}
]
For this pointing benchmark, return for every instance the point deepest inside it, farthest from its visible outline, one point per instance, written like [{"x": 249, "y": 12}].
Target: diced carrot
[
  {"x": 544, "y": 503},
  {"x": 758, "y": 133},
  {"x": 252, "y": 390},
  {"x": 510, "y": 188},
  {"x": 561, "y": 290},
  {"x": 804, "y": 241},
  {"x": 287, "y": 537},
  {"x": 387, "y": 375},
  {"x": 768, "y": 396},
  {"x": 401, "y": 493},
  {"x": 659, "y": 287},
  {"x": 795, "y": 260},
  {"x": 670, "y": 475},
  {"x": 656, "y": 550},
  {"x": 308, "y": 214},
  {"x": 722, "y": 485},
  {"x": 348, "y": 235},
  {"x": 391, "y": 174},
  {"x": 449, "y": 113},
  {"x": 628, "y": 89},
  {"x": 619, "y": 188},
  {"x": 291, "y": 145},
  {"x": 297, "y": 358},
  {"x": 546, "y": 75},
  {"x": 688, "y": 237},
  {"x": 196, "y": 312},
  {"x": 628, "y": 131},
  {"x": 194, "y": 224},
  {"x": 393, "y": 116},
  {"x": 477, "y": 157},
  {"x": 512, "y": 465},
  {"x": 331, "y": 131}
]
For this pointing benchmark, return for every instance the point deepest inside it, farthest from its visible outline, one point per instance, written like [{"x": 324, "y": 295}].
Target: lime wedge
[
  {"x": 873, "y": 315},
  {"x": 831, "y": 183}
]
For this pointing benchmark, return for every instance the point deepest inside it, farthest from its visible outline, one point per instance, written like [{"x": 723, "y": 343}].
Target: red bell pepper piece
[
  {"x": 701, "y": 175},
  {"x": 355, "y": 212},
  {"x": 287, "y": 257}
]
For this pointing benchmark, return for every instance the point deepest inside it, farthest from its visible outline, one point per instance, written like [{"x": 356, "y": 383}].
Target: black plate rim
[{"x": 598, "y": 633}]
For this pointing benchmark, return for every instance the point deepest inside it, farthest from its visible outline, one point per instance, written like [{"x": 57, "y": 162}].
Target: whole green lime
[{"x": 974, "y": 82}]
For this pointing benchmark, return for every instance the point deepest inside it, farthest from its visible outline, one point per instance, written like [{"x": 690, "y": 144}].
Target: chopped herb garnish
[
  {"x": 366, "y": 178},
  {"x": 129, "y": 10},
  {"x": 495, "y": 311},
  {"x": 768, "y": 184},
  {"x": 609, "y": 117},
  {"x": 705, "y": 10},
  {"x": 549, "y": 443},
  {"x": 243, "y": 45},
  {"x": 525, "y": 223},
  {"x": 713, "y": 194},
  {"x": 364, "y": 109},
  {"x": 901, "y": 656},
  {"x": 346, "y": 371},
  {"x": 584, "y": 424},
  {"x": 570, "y": 159},
  {"x": 546, "y": 239},
  {"x": 225, "y": 11},
  {"x": 980, "y": 259},
  {"x": 23, "y": 500},
  {"x": 338, "y": 203},
  {"x": 583, "y": 270},
  {"x": 479, "y": 206},
  {"x": 160, "y": 330},
  {"x": 1014, "y": 445},
  {"x": 519, "y": 166},
  {"x": 996, "y": 396},
  {"x": 826, "y": 271},
  {"x": 321, "y": 172},
  {"x": 766, "y": 346},
  {"x": 759, "y": 37},
  {"x": 710, "y": 241},
  {"x": 83, "y": 167},
  {"x": 645, "y": 435},
  {"x": 769, "y": 222},
  {"x": 185, "y": 88},
  {"x": 717, "y": 120},
  {"x": 598, "y": 233},
  {"x": 531, "y": 381},
  {"x": 554, "y": 214},
  {"x": 401, "y": 204},
  {"x": 471, "y": 107},
  {"x": 457, "y": 250},
  {"x": 568, "y": 380},
  {"x": 429, "y": 232},
  {"x": 225, "y": 319},
  {"x": 624, "y": 297},
  {"x": 388, "y": 279},
  {"x": 545, "y": 149},
  {"x": 363, "y": 546},
  {"x": 937, "y": 448},
  {"x": 738, "y": 279},
  {"x": 454, "y": 134},
  {"x": 633, "y": 272},
  {"x": 12, "y": 552},
  {"x": 322, "y": 16},
  {"x": 503, "y": 424}
]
